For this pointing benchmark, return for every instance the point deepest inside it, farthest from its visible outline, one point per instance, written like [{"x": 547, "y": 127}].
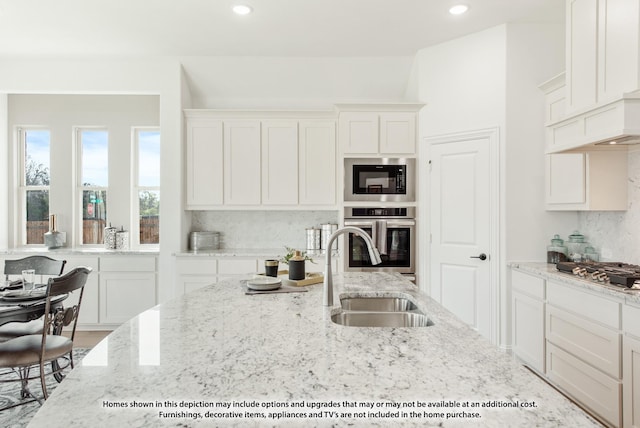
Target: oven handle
[{"x": 391, "y": 223}]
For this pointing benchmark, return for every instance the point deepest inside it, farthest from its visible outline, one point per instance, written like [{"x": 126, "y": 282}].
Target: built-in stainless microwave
[{"x": 379, "y": 179}]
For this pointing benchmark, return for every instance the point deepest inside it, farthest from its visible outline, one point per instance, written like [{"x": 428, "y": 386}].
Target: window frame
[
  {"x": 78, "y": 210},
  {"x": 136, "y": 188},
  {"x": 23, "y": 188}
]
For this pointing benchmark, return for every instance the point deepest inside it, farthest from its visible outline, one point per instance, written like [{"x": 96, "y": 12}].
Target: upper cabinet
[
  {"x": 378, "y": 129},
  {"x": 242, "y": 161},
  {"x": 602, "y": 51},
  {"x": 592, "y": 180},
  {"x": 204, "y": 171},
  {"x": 601, "y": 97},
  {"x": 258, "y": 160}
]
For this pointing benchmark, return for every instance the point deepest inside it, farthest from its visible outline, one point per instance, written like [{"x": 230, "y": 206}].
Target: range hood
[{"x": 612, "y": 123}]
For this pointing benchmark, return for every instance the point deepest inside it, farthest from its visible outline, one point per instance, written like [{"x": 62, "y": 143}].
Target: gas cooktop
[{"x": 615, "y": 273}]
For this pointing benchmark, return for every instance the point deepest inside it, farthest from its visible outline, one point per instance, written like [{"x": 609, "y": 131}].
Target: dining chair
[
  {"x": 42, "y": 265},
  {"x": 21, "y": 354}
]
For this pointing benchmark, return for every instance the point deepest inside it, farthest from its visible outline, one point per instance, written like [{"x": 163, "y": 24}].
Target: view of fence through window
[
  {"x": 148, "y": 180},
  {"x": 36, "y": 183},
  {"x": 94, "y": 173}
]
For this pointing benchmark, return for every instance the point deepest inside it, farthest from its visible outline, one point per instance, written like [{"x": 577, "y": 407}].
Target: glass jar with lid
[
  {"x": 576, "y": 246},
  {"x": 556, "y": 252},
  {"x": 590, "y": 254}
]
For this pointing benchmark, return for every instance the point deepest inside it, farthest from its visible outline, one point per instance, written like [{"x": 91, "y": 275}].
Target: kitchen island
[{"x": 219, "y": 357}]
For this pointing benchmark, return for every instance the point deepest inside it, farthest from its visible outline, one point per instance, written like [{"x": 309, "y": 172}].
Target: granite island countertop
[{"x": 281, "y": 357}]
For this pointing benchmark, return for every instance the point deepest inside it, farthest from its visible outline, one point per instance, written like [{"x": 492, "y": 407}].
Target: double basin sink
[{"x": 378, "y": 311}]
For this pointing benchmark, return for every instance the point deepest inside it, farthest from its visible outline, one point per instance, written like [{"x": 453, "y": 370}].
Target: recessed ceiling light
[
  {"x": 458, "y": 9},
  {"x": 242, "y": 9}
]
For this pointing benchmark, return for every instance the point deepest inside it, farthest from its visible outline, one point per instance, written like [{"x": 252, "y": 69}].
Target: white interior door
[{"x": 461, "y": 225}]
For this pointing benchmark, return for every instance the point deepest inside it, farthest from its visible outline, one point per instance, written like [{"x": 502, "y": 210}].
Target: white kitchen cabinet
[
  {"x": 89, "y": 309},
  {"x": 204, "y": 163},
  {"x": 242, "y": 160},
  {"x": 591, "y": 180},
  {"x": 378, "y": 133},
  {"x": 258, "y": 160},
  {"x": 631, "y": 365},
  {"x": 583, "y": 333},
  {"x": 398, "y": 133},
  {"x": 127, "y": 287},
  {"x": 279, "y": 162},
  {"x": 317, "y": 163},
  {"x": 631, "y": 386},
  {"x": 359, "y": 132},
  {"x": 195, "y": 272},
  {"x": 528, "y": 336},
  {"x": 602, "y": 51}
]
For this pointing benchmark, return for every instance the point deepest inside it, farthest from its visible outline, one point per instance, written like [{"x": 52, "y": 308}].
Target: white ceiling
[{"x": 308, "y": 28}]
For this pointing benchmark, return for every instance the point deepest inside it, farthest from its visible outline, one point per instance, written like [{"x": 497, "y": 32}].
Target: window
[
  {"x": 146, "y": 205},
  {"x": 93, "y": 167},
  {"x": 35, "y": 149}
]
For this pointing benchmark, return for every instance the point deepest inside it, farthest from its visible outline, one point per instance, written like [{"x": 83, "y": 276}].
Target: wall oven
[
  {"x": 393, "y": 231},
  {"x": 379, "y": 179}
]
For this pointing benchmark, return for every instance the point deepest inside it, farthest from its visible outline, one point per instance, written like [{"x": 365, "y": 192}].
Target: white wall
[
  {"x": 535, "y": 53},
  {"x": 490, "y": 80},
  {"x": 462, "y": 83},
  {"x": 294, "y": 82}
]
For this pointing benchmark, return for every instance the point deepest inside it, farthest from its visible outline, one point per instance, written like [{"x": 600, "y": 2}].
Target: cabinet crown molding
[
  {"x": 259, "y": 114},
  {"x": 379, "y": 107}
]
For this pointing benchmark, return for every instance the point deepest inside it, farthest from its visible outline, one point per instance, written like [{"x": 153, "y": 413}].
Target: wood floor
[{"x": 88, "y": 339}]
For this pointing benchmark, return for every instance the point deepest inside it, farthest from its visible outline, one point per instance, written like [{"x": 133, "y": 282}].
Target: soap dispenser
[{"x": 296, "y": 266}]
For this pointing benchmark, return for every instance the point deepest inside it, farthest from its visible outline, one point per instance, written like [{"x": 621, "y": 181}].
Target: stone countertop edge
[
  {"x": 316, "y": 255},
  {"x": 217, "y": 344},
  {"x": 550, "y": 272},
  {"x": 26, "y": 251}
]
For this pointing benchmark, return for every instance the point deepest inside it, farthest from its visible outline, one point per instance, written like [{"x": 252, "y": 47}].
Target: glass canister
[
  {"x": 576, "y": 246},
  {"x": 591, "y": 255},
  {"x": 556, "y": 252}
]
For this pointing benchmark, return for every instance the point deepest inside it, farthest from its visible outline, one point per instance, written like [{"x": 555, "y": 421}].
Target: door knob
[{"x": 482, "y": 256}]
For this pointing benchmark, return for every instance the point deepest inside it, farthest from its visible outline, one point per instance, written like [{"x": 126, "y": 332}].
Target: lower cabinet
[
  {"x": 127, "y": 287},
  {"x": 90, "y": 298},
  {"x": 528, "y": 319},
  {"x": 574, "y": 338},
  {"x": 118, "y": 288},
  {"x": 631, "y": 365},
  {"x": 193, "y": 272}
]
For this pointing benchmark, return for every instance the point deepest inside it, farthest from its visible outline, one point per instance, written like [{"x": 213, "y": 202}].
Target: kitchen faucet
[{"x": 374, "y": 255}]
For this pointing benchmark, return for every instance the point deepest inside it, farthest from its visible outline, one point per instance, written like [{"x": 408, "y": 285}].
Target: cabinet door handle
[{"x": 482, "y": 256}]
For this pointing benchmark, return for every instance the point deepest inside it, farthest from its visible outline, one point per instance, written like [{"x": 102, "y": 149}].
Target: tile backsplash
[
  {"x": 616, "y": 235},
  {"x": 261, "y": 229}
]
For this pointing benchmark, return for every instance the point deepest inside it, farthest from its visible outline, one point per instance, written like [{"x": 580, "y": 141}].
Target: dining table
[{"x": 19, "y": 306}]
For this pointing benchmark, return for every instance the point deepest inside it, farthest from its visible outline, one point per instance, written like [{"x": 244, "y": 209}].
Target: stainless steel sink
[
  {"x": 381, "y": 319},
  {"x": 377, "y": 304}
]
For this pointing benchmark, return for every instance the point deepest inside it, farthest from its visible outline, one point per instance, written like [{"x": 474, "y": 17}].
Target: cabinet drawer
[
  {"x": 197, "y": 266},
  {"x": 591, "y": 342},
  {"x": 128, "y": 264},
  {"x": 527, "y": 284},
  {"x": 631, "y": 320},
  {"x": 592, "y": 388},
  {"x": 236, "y": 267},
  {"x": 588, "y": 305}
]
